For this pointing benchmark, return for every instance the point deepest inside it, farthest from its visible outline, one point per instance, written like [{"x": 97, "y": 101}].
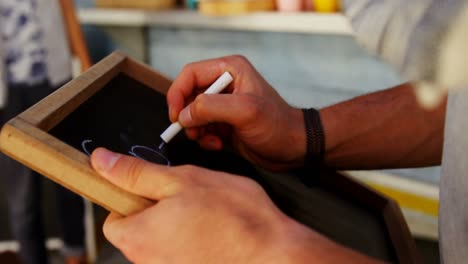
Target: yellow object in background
[
  {"x": 327, "y": 6},
  {"x": 141, "y": 4},
  {"x": 234, "y": 7}
]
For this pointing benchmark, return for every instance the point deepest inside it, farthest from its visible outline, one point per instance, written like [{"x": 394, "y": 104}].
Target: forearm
[
  {"x": 303, "y": 245},
  {"x": 386, "y": 129}
]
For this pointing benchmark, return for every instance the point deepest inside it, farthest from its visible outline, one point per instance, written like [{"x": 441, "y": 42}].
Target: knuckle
[
  {"x": 250, "y": 185},
  {"x": 235, "y": 60},
  {"x": 186, "y": 170},
  {"x": 239, "y": 58},
  {"x": 188, "y": 67},
  {"x": 186, "y": 174},
  {"x": 201, "y": 100},
  {"x": 197, "y": 106},
  {"x": 135, "y": 169},
  {"x": 240, "y": 61},
  {"x": 251, "y": 108},
  {"x": 257, "y": 188}
]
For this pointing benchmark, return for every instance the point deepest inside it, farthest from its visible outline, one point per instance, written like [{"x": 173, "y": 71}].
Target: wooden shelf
[{"x": 307, "y": 23}]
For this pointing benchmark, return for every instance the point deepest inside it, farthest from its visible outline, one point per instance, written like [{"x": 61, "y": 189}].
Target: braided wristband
[{"x": 315, "y": 139}]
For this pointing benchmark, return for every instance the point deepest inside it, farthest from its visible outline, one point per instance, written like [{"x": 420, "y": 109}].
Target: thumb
[
  {"x": 135, "y": 175},
  {"x": 235, "y": 110}
]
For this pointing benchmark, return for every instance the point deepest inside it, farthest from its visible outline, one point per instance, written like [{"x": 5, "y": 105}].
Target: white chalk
[
  {"x": 170, "y": 132},
  {"x": 222, "y": 82}
]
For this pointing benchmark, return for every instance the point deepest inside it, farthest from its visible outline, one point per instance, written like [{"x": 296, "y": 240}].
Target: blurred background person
[{"x": 36, "y": 59}]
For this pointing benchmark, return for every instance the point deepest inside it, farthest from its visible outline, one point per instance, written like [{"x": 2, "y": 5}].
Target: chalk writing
[{"x": 138, "y": 151}]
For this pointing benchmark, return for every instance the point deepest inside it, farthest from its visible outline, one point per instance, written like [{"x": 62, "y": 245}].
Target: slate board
[{"x": 125, "y": 113}]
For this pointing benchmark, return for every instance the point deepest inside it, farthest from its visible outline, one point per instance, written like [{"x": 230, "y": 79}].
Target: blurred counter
[{"x": 304, "y": 22}]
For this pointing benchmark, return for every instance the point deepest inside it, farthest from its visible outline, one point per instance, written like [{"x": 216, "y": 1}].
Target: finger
[
  {"x": 135, "y": 175},
  {"x": 116, "y": 230},
  {"x": 222, "y": 131},
  {"x": 112, "y": 227},
  {"x": 192, "y": 133},
  {"x": 232, "y": 109},
  {"x": 130, "y": 234},
  {"x": 198, "y": 76},
  {"x": 195, "y": 76},
  {"x": 211, "y": 142}
]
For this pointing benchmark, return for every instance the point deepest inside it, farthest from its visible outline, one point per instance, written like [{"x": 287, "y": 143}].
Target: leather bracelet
[{"x": 315, "y": 139}]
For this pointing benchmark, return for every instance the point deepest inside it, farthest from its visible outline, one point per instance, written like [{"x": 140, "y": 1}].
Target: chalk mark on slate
[{"x": 137, "y": 151}]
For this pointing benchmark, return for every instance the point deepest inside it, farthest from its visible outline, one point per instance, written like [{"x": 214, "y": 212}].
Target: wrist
[
  {"x": 298, "y": 137},
  {"x": 300, "y": 244},
  {"x": 331, "y": 128}
]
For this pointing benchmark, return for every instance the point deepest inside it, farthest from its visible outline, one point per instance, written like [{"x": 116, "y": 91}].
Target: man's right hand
[{"x": 252, "y": 116}]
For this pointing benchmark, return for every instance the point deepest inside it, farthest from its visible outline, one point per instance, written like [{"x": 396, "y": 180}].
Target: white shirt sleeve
[{"x": 407, "y": 34}]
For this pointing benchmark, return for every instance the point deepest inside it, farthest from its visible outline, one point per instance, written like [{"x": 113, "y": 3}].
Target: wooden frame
[
  {"x": 309, "y": 203},
  {"x": 398, "y": 230},
  {"x": 26, "y": 139}
]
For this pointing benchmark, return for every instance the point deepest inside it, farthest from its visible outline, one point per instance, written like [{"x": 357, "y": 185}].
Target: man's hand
[
  {"x": 204, "y": 216},
  {"x": 252, "y": 116}
]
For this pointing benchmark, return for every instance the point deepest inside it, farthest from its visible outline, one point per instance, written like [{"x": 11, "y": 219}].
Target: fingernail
[
  {"x": 185, "y": 116},
  {"x": 171, "y": 113},
  {"x": 105, "y": 159}
]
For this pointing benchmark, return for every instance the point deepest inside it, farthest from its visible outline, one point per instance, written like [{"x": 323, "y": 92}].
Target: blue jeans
[{"x": 23, "y": 190}]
